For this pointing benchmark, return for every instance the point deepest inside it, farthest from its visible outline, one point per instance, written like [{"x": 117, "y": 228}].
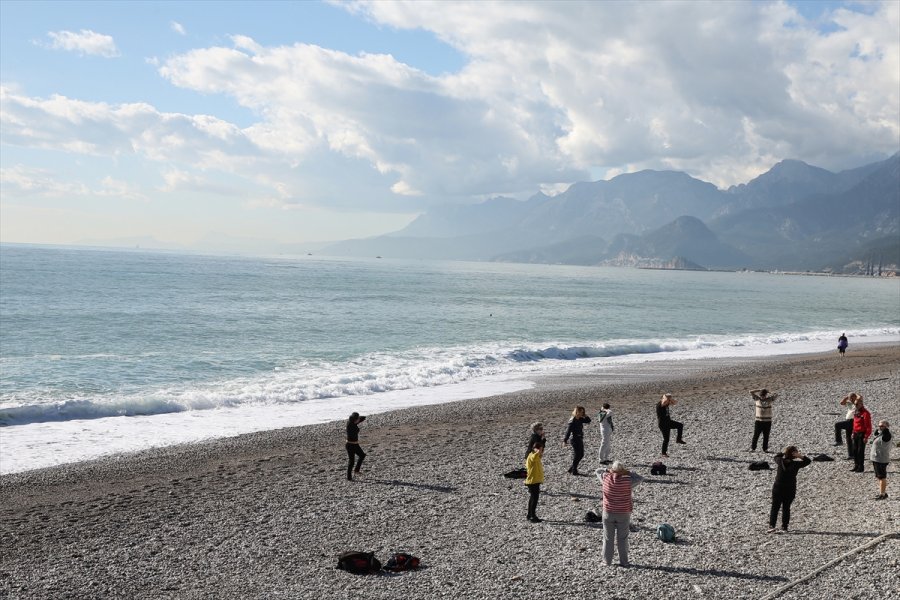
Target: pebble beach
[{"x": 265, "y": 515}]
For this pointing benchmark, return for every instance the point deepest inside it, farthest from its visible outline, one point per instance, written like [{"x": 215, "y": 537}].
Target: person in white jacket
[{"x": 604, "y": 418}]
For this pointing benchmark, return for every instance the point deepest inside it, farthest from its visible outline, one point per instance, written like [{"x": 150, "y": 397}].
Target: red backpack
[
  {"x": 401, "y": 562},
  {"x": 360, "y": 563}
]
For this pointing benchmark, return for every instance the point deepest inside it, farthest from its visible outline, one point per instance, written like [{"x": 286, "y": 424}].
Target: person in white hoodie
[{"x": 604, "y": 418}]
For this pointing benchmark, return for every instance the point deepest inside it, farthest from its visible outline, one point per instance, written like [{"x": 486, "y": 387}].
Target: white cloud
[
  {"x": 177, "y": 28},
  {"x": 83, "y": 42},
  {"x": 23, "y": 182},
  {"x": 550, "y": 93}
]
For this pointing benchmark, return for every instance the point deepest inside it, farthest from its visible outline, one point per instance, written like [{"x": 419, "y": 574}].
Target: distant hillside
[{"x": 793, "y": 217}]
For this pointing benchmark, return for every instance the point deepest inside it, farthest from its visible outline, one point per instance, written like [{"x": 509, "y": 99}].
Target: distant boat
[
  {"x": 309, "y": 253},
  {"x": 377, "y": 257}
]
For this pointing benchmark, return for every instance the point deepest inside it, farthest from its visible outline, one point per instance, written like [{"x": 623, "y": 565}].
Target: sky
[{"x": 297, "y": 122}]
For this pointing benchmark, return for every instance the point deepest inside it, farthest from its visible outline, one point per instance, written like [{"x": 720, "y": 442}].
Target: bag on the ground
[
  {"x": 658, "y": 468},
  {"x": 360, "y": 563},
  {"x": 822, "y": 458},
  {"x": 401, "y": 561},
  {"x": 665, "y": 532},
  {"x": 759, "y": 465},
  {"x": 516, "y": 474},
  {"x": 592, "y": 517}
]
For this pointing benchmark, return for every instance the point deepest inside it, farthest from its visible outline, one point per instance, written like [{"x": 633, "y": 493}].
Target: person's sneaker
[
  {"x": 680, "y": 442},
  {"x": 782, "y": 530},
  {"x": 771, "y": 530},
  {"x": 838, "y": 444},
  {"x": 881, "y": 497},
  {"x": 536, "y": 520},
  {"x": 664, "y": 455}
]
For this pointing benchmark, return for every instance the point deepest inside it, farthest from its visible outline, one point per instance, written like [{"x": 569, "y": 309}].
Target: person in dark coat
[
  {"x": 785, "y": 487},
  {"x": 354, "y": 451},
  {"x": 575, "y": 432}
]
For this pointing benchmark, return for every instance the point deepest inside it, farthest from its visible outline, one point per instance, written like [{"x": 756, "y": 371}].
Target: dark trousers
[
  {"x": 847, "y": 428},
  {"x": 859, "y": 451},
  {"x": 353, "y": 451},
  {"x": 666, "y": 429},
  {"x": 577, "y": 453},
  {"x": 761, "y": 427},
  {"x": 534, "y": 492},
  {"x": 781, "y": 499}
]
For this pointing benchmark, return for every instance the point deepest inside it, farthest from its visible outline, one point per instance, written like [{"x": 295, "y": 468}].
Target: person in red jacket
[{"x": 862, "y": 429}]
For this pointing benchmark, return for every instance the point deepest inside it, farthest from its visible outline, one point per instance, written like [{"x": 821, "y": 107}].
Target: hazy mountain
[{"x": 795, "y": 216}]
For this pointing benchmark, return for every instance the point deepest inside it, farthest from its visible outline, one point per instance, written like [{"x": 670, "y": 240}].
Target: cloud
[
  {"x": 83, "y": 42},
  {"x": 177, "y": 28},
  {"x": 549, "y": 94},
  {"x": 23, "y": 182}
]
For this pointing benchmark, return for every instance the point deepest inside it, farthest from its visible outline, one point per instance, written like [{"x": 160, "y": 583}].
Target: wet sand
[{"x": 266, "y": 514}]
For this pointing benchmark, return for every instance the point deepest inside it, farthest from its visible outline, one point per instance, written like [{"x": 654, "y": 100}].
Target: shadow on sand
[
  {"x": 838, "y": 533},
  {"x": 711, "y": 573},
  {"x": 445, "y": 489}
]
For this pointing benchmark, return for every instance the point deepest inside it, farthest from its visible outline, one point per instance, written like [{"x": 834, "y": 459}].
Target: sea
[{"x": 105, "y": 352}]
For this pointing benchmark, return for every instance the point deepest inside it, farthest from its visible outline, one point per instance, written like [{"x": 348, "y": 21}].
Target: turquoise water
[{"x": 98, "y": 333}]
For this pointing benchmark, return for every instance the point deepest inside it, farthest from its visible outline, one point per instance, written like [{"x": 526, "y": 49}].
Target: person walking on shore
[
  {"x": 534, "y": 468},
  {"x": 785, "y": 487},
  {"x": 354, "y": 451},
  {"x": 605, "y": 419},
  {"x": 881, "y": 456},
  {"x": 618, "y": 484},
  {"x": 862, "y": 429},
  {"x": 847, "y": 424},
  {"x": 842, "y": 344},
  {"x": 763, "y": 401},
  {"x": 666, "y": 424},
  {"x": 575, "y": 432},
  {"x": 537, "y": 435}
]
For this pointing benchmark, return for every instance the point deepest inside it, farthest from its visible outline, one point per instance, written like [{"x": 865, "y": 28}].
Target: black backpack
[
  {"x": 759, "y": 465},
  {"x": 401, "y": 562},
  {"x": 822, "y": 458},
  {"x": 360, "y": 563},
  {"x": 658, "y": 468},
  {"x": 592, "y": 517}
]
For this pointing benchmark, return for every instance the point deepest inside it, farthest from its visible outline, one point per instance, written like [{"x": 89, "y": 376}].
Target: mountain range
[{"x": 793, "y": 217}]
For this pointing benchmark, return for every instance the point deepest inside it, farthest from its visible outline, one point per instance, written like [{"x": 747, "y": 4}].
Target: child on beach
[
  {"x": 862, "y": 429},
  {"x": 881, "y": 456},
  {"x": 604, "y": 418},
  {"x": 534, "y": 467},
  {"x": 618, "y": 483},
  {"x": 575, "y": 431},
  {"x": 353, "y": 448},
  {"x": 785, "y": 487},
  {"x": 537, "y": 435},
  {"x": 847, "y": 424},
  {"x": 763, "y": 401},
  {"x": 666, "y": 424}
]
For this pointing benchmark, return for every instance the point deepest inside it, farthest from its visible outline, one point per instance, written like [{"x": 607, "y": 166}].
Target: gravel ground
[{"x": 265, "y": 515}]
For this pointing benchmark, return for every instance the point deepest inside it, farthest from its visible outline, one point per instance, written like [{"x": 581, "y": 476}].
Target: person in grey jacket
[{"x": 880, "y": 455}]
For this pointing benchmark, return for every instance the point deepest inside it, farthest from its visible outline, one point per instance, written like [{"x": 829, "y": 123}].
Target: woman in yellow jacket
[{"x": 534, "y": 479}]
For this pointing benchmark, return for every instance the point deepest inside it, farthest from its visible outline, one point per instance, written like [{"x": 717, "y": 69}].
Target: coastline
[{"x": 267, "y": 513}]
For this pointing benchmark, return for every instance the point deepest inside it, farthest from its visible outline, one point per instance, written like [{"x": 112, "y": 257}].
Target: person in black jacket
[
  {"x": 666, "y": 423},
  {"x": 785, "y": 487},
  {"x": 575, "y": 432},
  {"x": 353, "y": 448},
  {"x": 537, "y": 435}
]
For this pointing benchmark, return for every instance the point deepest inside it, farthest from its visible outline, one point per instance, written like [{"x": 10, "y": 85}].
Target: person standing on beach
[
  {"x": 618, "y": 483},
  {"x": 862, "y": 429},
  {"x": 537, "y": 435},
  {"x": 534, "y": 468},
  {"x": 666, "y": 424},
  {"x": 842, "y": 344},
  {"x": 763, "y": 403},
  {"x": 604, "y": 418},
  {"x": 785, "y": 487},
  {"x": 575, "y": 431},
  {"x": 847, "y": 424},
  {"x": 354, "y": 451},
  {"x": 881, "y": 456}
]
